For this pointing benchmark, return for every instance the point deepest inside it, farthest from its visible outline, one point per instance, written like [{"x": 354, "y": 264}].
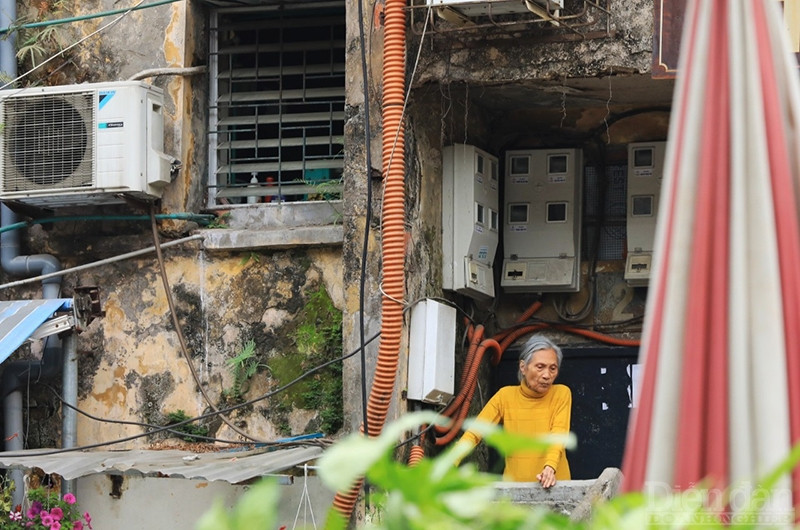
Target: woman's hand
[{"x": 547, "y": 478}]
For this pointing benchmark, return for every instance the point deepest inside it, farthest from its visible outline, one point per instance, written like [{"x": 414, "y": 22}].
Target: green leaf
[
  {"x": 341, "y": 465},
  {"x": 247, "y": 352},
  {"x": 258, "y": 507},
  {"x": 215, "y": 519}
]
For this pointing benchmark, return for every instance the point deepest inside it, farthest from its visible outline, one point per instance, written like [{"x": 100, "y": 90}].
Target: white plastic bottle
[{"x": 253, "y": 199}]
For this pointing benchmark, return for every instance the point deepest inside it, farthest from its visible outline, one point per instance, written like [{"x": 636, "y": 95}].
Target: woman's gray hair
[{"x": 534, "y": 344}]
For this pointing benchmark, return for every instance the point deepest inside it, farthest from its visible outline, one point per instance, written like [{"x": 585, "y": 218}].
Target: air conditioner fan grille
[{"x": 48, "y": 141}]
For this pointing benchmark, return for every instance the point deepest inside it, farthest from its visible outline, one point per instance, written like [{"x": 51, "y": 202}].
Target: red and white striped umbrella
[{"x": 720, "y": 396}]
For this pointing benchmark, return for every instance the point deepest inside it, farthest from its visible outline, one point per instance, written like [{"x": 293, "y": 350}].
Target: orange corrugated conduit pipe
[
  {"x": 392, "y": 232},
  {"x": 468, "y": 389},
  {"x": 417, "y": 453},
  {"x": 469, "y": 367}
]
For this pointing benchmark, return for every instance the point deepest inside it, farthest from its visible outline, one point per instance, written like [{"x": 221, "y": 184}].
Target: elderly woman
[{"x": 536, "y": 406}]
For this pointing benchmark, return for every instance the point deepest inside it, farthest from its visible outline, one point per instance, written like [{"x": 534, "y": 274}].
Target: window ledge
[
  {"x": 277, "y": 226},
  {"x": 221, "y": 239}
]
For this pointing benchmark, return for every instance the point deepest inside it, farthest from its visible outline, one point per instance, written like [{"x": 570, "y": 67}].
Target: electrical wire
[
  {"x": 59, "y": 21},
  {"x": 207, "y": 415},
  {"x": 73, "y": 45},
  {"x": 99, "y": 263},
  {"x": 368, "y": 215},
  {"x": 203, "y": 218},
  {"x": 181, "y": 339},
  {"x": 142, "y": 424},
  {"x": 408, "y": 93}
]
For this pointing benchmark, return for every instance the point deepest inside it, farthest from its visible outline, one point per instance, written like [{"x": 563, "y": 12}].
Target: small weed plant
[
  {"x": 242, "y": 367},
  {"x": 190, "y": 431}
]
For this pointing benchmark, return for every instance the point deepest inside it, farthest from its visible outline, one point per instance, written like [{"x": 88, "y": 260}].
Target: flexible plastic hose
[
  {"x": 392, "y": 232},
  {"x": 469, "y": 390},
  {"x": 416, "y": 455},
  {"x": 595, "y": 335},
  {"x": 393, "y": 226},
  {"x": 509, "y": 339},
  {"x": 528, "y": 313},
  {"x": 600, "y": 337},
  {"x": 469, "y": 366}
]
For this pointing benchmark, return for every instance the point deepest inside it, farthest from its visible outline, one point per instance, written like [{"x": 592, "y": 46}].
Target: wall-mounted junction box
[
  {"x": 542, "y": 224},
  {"x": 431, "y": 352},
  {"x": 470, "y": 220},
  {"x": 645, "y": 172}
]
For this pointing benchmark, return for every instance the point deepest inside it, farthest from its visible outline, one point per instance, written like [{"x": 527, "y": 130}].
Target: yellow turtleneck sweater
[{"x": 521, "y": 412}]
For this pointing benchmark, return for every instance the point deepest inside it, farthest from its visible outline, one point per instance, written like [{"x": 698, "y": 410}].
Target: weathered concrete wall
[
  {"x": 288, "y": 301},
  {"x": 356, "y": 188},
  {"x": 134, "y": 363},
  {"x": 130, "y": 361},
  {"x": 165, "y": 36},
  {"x": 183, "y": 502},
  {"x": 498, "y": 90},
  {"x": 487, "y": 56}
]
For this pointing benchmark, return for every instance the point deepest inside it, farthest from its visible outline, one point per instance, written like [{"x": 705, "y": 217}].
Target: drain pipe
[{"x": 18, "y": 373}]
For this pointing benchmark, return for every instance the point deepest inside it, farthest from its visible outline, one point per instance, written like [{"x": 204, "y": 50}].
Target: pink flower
[
  {"x": 69, "y": 498},
  {"x": 55, "y": 526},
  {"x": 34, "y": 510},
  {"x": 77, "y": 525},
  {"x": 47, "y": 519},
  {"x": 57, "y": 513},
  {"x": 88, "y": 519}
]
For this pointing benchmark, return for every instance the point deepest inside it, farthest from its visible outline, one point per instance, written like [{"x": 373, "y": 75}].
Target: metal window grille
[{"x": 277, "y": 104}]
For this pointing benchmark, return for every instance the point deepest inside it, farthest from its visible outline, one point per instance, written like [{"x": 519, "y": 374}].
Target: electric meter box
[
  {"x": 431, "y": 352},
  {"x": 542, "y": 224},
  {"x": 645, "y": 172},
  {"x": 470, "y": 220}
]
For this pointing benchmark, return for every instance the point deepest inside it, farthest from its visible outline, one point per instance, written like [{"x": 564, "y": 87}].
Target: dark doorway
[{"x": 600, "y": 380}]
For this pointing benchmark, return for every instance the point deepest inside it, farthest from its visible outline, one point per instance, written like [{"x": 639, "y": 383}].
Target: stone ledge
[
  {"x": 570, "y": 497},
  {"x": 305, "y": 236},
  {"x": 274, "y": 216}
]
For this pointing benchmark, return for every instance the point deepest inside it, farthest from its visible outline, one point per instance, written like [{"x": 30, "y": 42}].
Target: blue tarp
[{"x": 19, "y": 319}]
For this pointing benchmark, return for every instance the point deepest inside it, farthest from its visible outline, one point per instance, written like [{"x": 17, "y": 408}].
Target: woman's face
[{"x": 540, "y": 371}]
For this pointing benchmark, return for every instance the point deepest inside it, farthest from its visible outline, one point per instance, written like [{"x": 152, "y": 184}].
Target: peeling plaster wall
[
  {"x": 130, "y": 363},
  {"x": 484, "y": 57},
  {"x": 167, "y": 36},
  {"x": 356, "y": 182}
]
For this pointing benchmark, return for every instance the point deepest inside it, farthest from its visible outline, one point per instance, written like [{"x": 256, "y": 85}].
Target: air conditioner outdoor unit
[
  {"x": 475, "y": 8},
  {"x": 82, "y": 144}
]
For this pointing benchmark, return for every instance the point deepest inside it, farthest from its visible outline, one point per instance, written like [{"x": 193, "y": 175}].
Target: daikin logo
[{"x": 105, "y": 97}]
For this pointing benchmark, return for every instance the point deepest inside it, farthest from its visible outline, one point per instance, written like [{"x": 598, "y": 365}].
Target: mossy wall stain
[
  {"x": 317, "y": 338},
  {"x": 139, "y": 373}
]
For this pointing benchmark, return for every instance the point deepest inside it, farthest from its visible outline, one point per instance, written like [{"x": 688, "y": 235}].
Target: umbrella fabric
[{"x": 720, "y": 397}]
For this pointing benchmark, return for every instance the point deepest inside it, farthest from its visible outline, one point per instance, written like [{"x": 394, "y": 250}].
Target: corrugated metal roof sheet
[
  {"x": 19, "y": 319},
  {"x": 229, "y": 466}
]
